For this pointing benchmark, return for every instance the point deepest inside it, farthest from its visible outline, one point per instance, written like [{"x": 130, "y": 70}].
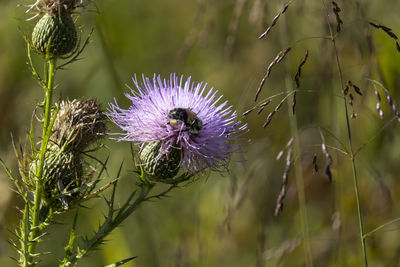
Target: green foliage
[{"x": 229, "y": 221}]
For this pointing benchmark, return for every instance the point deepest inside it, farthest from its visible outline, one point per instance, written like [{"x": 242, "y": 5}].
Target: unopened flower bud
[
  {"x": 62, "y": 171},
  {"x": 160, "y": 166},
  {"x": 78, "y": 124},
  {"x": 55, "y": 34}
]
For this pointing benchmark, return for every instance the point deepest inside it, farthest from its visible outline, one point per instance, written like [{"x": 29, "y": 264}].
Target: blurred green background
[{"x": 228, "y": 220}]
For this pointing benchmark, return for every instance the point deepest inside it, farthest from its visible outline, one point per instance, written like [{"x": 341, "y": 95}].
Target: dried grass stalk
[
  {"x": 314, "y": 163},
  {"x": 357, "y": 89},
  {"x": 281, "y": 55},
  {"x": 378, "y": 104},
  {"x": 389, "y": 99},
  {"x": 288, "y": 145},
  {"x": 336, "y": 10},
  {"x": 271, "y": 114},
  {"x": 294, "y": 103},
  {"x": 274, "y": 20},
  {"x": 329, "y": 162},
  {"x": 388, "y": 31},
  {"x": 298, "y": 73},
  {"x": 346, "y": 89},
  {"x": 247, "y": 112},
  {"x": 285, "y": 179},
  {"x": 262, "y": 106}
]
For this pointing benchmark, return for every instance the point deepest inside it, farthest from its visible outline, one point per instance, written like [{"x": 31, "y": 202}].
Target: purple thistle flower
[{"x": 205, "y": 137}]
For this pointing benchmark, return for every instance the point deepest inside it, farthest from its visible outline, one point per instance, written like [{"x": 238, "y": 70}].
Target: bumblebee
[{"x": 193, "y": 124}]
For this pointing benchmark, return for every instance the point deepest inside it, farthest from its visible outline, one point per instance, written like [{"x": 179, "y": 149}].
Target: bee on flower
[{"x": 178, "y": 125}]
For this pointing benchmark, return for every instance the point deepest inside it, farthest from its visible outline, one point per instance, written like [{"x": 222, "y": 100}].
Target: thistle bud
[
  {"x": 65, "y": 179},
  {"x": 78, "y": 124},
  {"x": 160, "y": 166},
  {"x": 62, "y": 171},
  {"x": 55, "y": 34}
]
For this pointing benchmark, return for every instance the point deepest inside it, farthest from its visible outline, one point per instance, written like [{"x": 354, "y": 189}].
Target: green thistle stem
[
  {"x": 25, "y": 228},
  {"x": 50, "y": 74},
  {"x": 110, "y": 224}
]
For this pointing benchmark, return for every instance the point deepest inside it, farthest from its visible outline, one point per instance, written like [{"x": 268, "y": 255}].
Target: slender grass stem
[
  {"x": 350, "y": 143},
  {"x": 381, "y": 227},
  {"x": 297, "y": 154},
  {"x": 50, "y": 75},
  {"x": 300, "y": 183}
]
